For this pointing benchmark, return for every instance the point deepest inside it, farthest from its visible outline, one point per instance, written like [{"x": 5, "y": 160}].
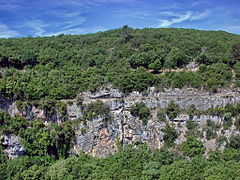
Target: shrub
[
  {"x": 210, "y": 133},
  {"x": 48, "y": 106},
  {"x": 140, "y": 110},
  {"x": 234, "y": 142},
  {"x": 227, "y": 120},
  {"x": 61, "y": 108},
  {"x": 235, "y": 53},
  {"x": 237, "y": 122},
  {"x": 191, "y": 125},
  {"x": 220, "y": 140},
  {"x": 191, "y": 111},
  {"x": 22, "y": 105},
  {"x": 161, "y": 115},
  {"x": 79, "y": 101},
  {"x": 170, "y": 134},
  {"x": 192, "y": 147},
  {"x": 172, "y": 110},
  {"x": 192, "y": 128},
  {"x": 95, "y": 109}
]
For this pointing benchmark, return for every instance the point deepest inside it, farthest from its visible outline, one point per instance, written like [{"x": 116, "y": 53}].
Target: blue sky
[{"x": 21, "y": 18}]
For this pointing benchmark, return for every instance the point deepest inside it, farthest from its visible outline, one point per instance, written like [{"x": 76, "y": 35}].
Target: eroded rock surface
[
  {"x": 100, "y": 139},
  {"x": 13, "y": 148}
]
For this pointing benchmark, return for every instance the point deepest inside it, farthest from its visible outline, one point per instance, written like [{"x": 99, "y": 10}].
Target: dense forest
[
  {"x": 40, "y": 71},
  {"x": 131, "y": 163},
  {"x": 61, "y": 67}
]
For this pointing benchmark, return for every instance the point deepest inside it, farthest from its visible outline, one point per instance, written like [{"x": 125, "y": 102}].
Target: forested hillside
[
  {"x": 62, "y": 66},
  {"x": 67, "y": 97}
]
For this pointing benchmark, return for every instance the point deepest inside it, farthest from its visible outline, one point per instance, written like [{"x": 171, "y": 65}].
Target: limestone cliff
[{"x": 99, "y": 138}]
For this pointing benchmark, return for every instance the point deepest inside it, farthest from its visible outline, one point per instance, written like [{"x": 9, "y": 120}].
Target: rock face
[
  {"x": 13, "y": 146},
  {"x": 100, "y": 139},
  {"x": 106, "y": 92},
  {"x": 184, "y": 97}
]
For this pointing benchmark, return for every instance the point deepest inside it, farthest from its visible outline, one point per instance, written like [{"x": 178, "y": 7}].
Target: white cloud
[
  {"x": 200, "y": 15},
  {"x": 69, "y": 31},
  {"x": 70, "y": 20},
  {"x": 39, "y": 28},
  {"x": 77, "y": 31},
  {"x": 74, "y": 22},
  {"x": 68, "y": 23},
  {"x": 5, "y": 32},
  {"x": 232, "y": 29},
  {"x": 36, "y": 26},
  {"x": 133, "y": 14},
  {"x": 179, "y": 18}
]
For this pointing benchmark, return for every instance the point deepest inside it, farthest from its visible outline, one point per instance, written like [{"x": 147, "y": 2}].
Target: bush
[
  {"x": 211, "y": 129},
  {"x": 191, "y": 125},
  {"x": 95, "y": 109},
  {"x": 79, "y": 101},
  {"x": 170, "y": 135},
  {"x": 220, "y": 140},
  {"x": 61, "y": 108},
  {"x": 140, "y": 110},
  {"x": 192, "y": 147},
  {"x": 161, "y": 115},
  {"x": 210, "y": 133},
  {"x": 172, "y": 110},
  {"x": 235, "y": 53},
  {"x": 234, "y": 142},
  {"x": 192, "y": 128},
  {"x": 237, "y": 122},
  {"x": 227, "y": 120}
]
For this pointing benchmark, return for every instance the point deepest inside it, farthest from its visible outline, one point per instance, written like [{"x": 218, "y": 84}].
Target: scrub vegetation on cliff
[{"x": 49, "y": 150}]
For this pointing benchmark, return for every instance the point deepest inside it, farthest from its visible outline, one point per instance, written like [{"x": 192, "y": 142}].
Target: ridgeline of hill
[{"x": 62, "y": 66}]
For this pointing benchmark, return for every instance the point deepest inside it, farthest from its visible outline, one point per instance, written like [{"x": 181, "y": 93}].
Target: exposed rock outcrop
[
  {"x": 100, "y": 139},
  {"x": 13, "y": 146},
  {"x": 105, "y": 92}
]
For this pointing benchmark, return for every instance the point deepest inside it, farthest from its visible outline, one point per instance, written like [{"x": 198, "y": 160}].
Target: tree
[
  {"x": 61, "y": 169},
  {"x": 62, "y": 139},
  {"x": 29, "y": 58},
  {"x": 36, "y": 140},
  {"x": 140, "y": 59},
  {"x": 126, "y": 33},
  {"x": 176, "y": 58},
  {"x": 95, "y": 109},
  {"x": 234, "y": 142},
  {"x": 155, "y": 66},
  {"x": 140, "y": 110},
  {"x": 235, "y": 54},
  {"x": 172, "y": 110},
  {"x": 170, "y": 135},
  {"x": 237, "y": 122},
  {"x": 161, "y": 115},
  {"x": 192, "y": 147},
  {"x": 227, "y": 123}
]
